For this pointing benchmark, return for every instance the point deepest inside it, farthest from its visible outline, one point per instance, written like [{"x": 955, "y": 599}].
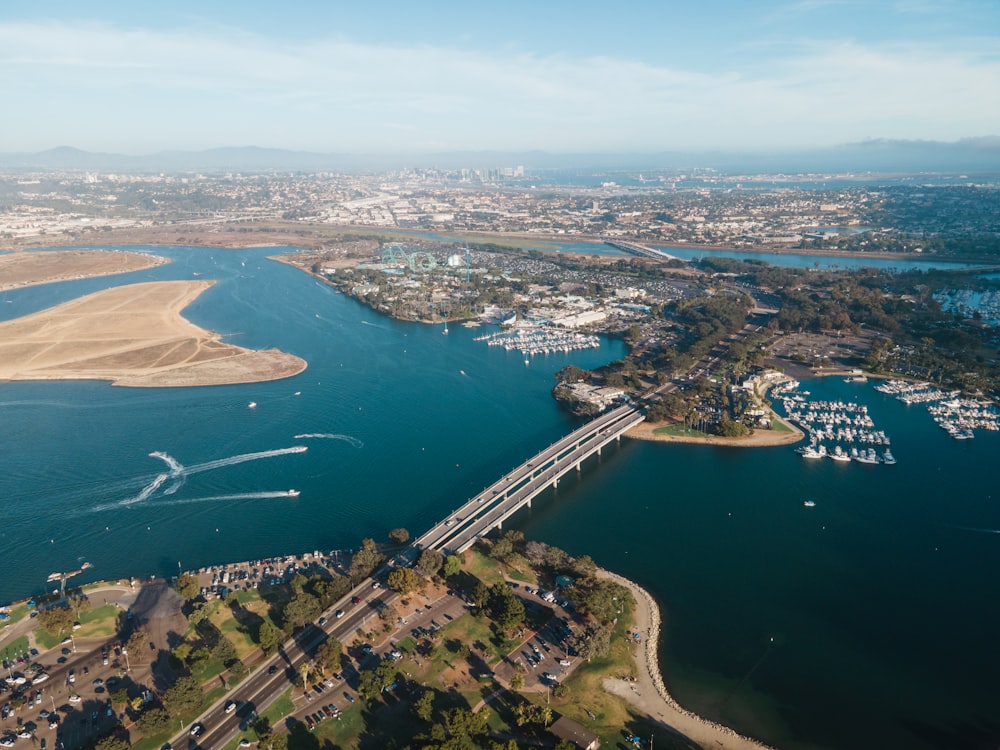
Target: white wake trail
[
  {"x": 233, "y": 460},
  {"x": 328, "y": 436},
  {"x": 223, "y": 498},
  {"x": 172, "y": 463}
]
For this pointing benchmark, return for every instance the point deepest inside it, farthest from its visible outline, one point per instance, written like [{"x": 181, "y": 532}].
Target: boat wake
[
  {"x": 227, "y": 498},
  {"x": 977, "y": 530},
  {"x": 328, "y": 436},
  {"x": 179, "y": 472}
]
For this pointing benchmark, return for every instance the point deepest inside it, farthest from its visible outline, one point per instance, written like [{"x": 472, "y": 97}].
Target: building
[{"x": 566, "y": 729}]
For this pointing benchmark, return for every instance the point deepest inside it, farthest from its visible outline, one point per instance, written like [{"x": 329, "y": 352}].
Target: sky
[{"x": 565, "y": 77}]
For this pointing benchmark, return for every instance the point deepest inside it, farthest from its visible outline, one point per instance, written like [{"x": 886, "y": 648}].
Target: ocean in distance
[{"x": 880, "y": 599}]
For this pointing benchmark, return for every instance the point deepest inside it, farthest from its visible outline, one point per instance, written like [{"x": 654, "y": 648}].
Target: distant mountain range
[{"x": 973, "y": 155}]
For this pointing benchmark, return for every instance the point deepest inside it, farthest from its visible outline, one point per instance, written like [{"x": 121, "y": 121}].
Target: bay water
[{"x": 865, "y": 621}]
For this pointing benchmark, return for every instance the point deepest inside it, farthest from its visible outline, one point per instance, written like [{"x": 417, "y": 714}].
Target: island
[{"x": 132, "y": 335}]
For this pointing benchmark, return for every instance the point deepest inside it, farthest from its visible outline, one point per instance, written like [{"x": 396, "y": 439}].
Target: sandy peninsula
[
  {"x": 28, "y": 269},
  {"x": 135, "y": 336},
  {"x": 759, "y": 438}
]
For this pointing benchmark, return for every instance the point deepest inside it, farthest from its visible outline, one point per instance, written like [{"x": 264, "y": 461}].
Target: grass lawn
[
  {"x": 100, "y": 621},
  {"x": 15, "y": 647},
  {"x": 17, "y": 613},
  {"x": 680, "y": 430},
  {"x": 47, "y": 640},
  {"x": 777, "y": 426}
]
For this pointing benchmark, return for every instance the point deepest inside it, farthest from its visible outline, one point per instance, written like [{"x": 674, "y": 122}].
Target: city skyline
[{"x": 563, "y": 78}]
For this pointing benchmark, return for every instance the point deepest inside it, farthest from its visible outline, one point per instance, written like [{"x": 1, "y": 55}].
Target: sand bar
[
  {"x": 133, "y": 335},
  {"x": 759, "y": 438},
  {"x": 28, "y": 269}
]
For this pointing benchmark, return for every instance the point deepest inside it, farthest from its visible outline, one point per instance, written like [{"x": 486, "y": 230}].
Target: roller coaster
[{"x": 417, "y": 261}]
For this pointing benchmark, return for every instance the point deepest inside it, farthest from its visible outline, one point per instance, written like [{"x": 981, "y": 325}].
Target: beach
[
  {"x": 649, "y": 694},
  {"x": 134, "y": 336}
]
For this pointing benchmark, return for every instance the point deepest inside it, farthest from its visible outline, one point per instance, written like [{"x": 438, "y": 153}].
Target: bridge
[
  {"x": 490, "y": 508},
  {"x": 634, "y": 248},
  {"x": 456, "y": 533}
]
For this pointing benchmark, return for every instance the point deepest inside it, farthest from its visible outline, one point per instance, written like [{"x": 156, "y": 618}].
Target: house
[{"x": 566, "y": 729}]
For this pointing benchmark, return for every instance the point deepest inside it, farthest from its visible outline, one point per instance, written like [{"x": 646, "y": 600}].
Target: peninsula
[{"x": 132, "y": 335}]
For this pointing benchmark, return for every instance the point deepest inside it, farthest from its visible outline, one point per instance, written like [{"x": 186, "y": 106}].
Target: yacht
[
  {"x": 252, "y": 405},
  {"x": 888, "y": 458},
  {"x": 810, "y": 503}
]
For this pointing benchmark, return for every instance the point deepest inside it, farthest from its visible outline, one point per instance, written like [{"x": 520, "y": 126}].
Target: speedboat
[
  {"x": 252, "y": 405},
  {"x": 293, "y": 493},
  {"x": 810, "y": 503}
]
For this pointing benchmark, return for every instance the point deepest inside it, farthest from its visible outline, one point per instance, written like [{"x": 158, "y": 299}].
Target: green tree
[
  {"x": 153, "y": 721},
  {"x": 423, "y": 707},
  {"x": 365, "y": 560},
  {"x": 399, "y": 536},
  {"x": 120, "y": 696},
  {"x": 183, "y": 697},
  {"x": 187, "y": 586},
  {"x": 111, "y": 742},
  {"x": 268, "y": 637},
  {"x": 299, "y": 610},
  {"x": 404, "y": 580},
  {"x": 329, "y": 654},
  {"x": 517, "y": 681},
  {"x": 136, "y": 646},
  {"x": 430, "y": 562},
  {"x": 57, "y": 620},
  {"x": 480, "y": 595},
  {"x": 452, "y": 566}
]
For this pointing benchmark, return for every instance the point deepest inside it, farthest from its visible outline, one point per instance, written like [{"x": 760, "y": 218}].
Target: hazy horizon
[{"x": 751, "y": 77}]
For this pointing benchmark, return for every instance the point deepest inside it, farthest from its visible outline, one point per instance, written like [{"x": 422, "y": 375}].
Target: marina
[
  {"x": 845, "y": 425},
  {"x": 957, "y": 416},
  {"x": 530, "y": 340}
]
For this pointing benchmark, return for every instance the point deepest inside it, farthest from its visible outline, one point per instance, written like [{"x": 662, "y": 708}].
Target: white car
[{"x": 230, "y": 707}]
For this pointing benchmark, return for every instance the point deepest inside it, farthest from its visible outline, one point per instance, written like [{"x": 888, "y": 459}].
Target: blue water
[{"x": 881, "y": 599}]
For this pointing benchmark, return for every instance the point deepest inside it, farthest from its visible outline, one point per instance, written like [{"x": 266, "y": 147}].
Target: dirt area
[
  {"x": 28, "y": 269},
  {"x": 134, "y": 336}
]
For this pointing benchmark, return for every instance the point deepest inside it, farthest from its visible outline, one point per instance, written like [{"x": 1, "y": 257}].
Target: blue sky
[{"x": 411, "y": 77}]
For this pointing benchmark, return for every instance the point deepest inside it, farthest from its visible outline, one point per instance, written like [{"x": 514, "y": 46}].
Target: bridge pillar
[
  {"x": 499, "y": 525},
  {"x": 599, "y": 450},
  {"x": 578, "y": 466}
]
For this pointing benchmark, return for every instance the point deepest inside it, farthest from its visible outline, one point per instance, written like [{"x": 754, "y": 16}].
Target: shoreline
[{"x": 649, "y": 693}]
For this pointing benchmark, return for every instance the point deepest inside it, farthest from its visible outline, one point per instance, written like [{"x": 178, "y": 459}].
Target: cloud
[{"x": 222, "y": 86}]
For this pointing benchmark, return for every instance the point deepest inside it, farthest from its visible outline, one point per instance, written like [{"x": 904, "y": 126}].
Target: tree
[
  {"x": 452, "y": 566},
  {"x": 57, "y": 620},
  {"x": 184, "y": 696},
  {"x": 365, "y": 560},
  {"x": 429, "y": 562},
  {"x": 399, "y": 536},
  {"x": 480, "y": 595},
  {"x": 136, "y": 646},
  {"x": 120, "y": 696},
  {"x": 517, "y": 681},
  {"x": 154, "y": 721},
  {"x": 594, "y": 641},
  {"x": 423, "y": 707},
  {"x": 268, "y": 637},
  {"x": 187, "y": 586},
  {"x": 328, "y": 655},
  {"x": 299, "y": 610},
  {"x": 403, "y": 580},
  {"x": 111, "y": 742}
]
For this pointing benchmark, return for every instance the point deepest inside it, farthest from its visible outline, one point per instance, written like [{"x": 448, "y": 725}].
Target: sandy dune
[{"x": 132, "y": 335}]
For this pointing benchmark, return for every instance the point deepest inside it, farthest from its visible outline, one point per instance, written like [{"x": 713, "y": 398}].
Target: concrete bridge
[
  {"x": 635, "y": 248},
  {"x": 498, "y": 502}
]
